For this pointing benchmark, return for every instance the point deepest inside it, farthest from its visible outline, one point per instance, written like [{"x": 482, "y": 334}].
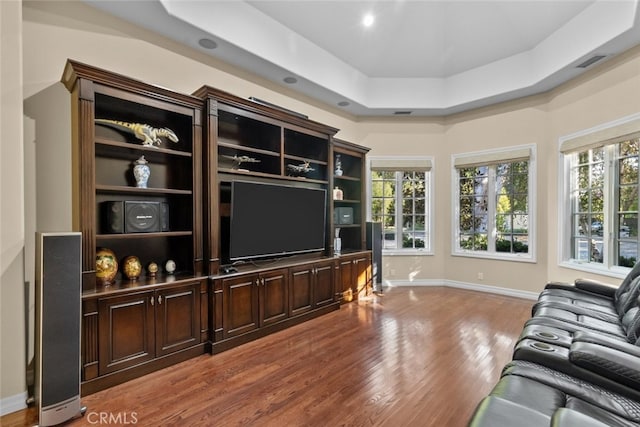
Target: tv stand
[{"x": 256, "y": 301}]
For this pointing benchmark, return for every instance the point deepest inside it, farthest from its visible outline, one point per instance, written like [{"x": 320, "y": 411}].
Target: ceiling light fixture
[
  {"x": 290, "y": 80},
  {"x": 207, "y": 43},
  {"x": 368, "y": 20},
  {"x": 343, "y": 103}
]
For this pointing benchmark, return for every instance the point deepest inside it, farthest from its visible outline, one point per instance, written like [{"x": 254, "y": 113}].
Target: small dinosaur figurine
[{"x": 149, "y": 135}]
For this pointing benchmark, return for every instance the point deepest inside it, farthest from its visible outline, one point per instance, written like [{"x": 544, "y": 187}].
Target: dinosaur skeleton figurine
[{"x": 149, "y": 135}]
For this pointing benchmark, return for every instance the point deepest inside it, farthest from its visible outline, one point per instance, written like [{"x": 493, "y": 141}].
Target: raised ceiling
[{"x": 423, "y": 58}]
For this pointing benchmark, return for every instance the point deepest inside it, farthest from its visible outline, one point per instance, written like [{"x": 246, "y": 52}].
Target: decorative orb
[
  {"x": 152, "y": 269},
  {"x": 106, "y": 266},
  {"x": 131, "y": 267},
  {"x": 170, "y": 266}
]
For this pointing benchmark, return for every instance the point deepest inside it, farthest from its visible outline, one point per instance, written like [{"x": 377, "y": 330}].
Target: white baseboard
[
  {"x": 463, "y": 285},
  {"x": 13, "y": 403}
]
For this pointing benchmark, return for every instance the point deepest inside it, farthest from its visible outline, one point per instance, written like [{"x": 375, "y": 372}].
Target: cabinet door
[
  {"x": 323, "y": 289},
  {"x": 177, "y": 318},
  {"x": 362, "y": 272},
  {"x": 126, "y": 331},
  {"x": 347, "y": 285},
  {"x": 300, "y": 289},
  {"x": 273, "y": 296},
  {"x": 240, "y": 305}
]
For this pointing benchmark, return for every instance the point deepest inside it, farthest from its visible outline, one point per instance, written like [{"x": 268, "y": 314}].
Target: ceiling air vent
[
  {"x": 590, "y": 61},
  {"x": 402, "y": 113}
]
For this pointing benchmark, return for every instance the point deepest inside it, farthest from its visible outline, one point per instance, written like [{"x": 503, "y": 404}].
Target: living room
[{"x": 41, "y": 36}]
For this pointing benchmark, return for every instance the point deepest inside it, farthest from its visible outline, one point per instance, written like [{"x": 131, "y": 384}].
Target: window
[
  {"x": 494, "y": 204},
  {"x": 601, "y": 192},
  {"x": 400, "y": 198}
]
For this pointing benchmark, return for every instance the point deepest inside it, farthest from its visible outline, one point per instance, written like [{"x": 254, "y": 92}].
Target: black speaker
[
  {"x": 58, "y": 317},
  {"x": 141, "y": 217},
  {"x": 113, "y": 217},
  {"x": 374, "y": 244},
  {"x": 342, "y": 216},
  {"x": 164, "y": 216},
  {"x": 134, "y": 217}
]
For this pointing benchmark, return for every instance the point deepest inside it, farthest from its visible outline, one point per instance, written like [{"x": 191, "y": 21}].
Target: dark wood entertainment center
[{"x": 131, "y": 327}]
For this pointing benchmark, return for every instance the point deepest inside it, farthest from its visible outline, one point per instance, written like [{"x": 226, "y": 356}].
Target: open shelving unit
[{"x": 133, "y": 326}]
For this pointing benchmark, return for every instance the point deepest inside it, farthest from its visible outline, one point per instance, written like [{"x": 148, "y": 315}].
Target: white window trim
[
  {"x": 429, "y": 203},
  {"x": 611, "y": 135},
  {"x": 506, "y": 154}
]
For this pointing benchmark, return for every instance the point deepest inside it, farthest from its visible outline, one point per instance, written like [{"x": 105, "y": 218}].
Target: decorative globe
[
  {"x": 131, "y": 267},
  {"x": 106, "y": 266}
]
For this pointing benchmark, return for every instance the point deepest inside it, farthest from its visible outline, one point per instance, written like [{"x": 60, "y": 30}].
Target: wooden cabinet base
[
  {"x": 218, "y": 347},
  {"x": 121, "y": 376}
]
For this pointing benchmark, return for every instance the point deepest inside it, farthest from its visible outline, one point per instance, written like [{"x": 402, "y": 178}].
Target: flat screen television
[{"x": 271, "y": 220}]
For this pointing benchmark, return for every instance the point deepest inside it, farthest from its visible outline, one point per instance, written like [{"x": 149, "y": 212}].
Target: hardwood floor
[{"x": 421, "y": 356}]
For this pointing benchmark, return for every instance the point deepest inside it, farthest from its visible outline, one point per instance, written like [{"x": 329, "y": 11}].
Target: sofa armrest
[
  {"x": 560, "y": 285},
  {"x": 606, "y": 341},
  {"x": 610, "y": 363},
  {"x": 596, "y": 287}
]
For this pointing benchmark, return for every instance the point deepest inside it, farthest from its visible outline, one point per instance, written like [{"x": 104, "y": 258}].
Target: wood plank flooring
[{"x": 419, "y": 356}]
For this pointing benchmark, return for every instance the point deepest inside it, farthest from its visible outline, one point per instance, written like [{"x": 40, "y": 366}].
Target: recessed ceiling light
[
  {"x": 343, "y": 103},
  {"x": 207, "y": 43},
  {"x": 290, "y": 80},
  {"x": 368, "y": 20}
]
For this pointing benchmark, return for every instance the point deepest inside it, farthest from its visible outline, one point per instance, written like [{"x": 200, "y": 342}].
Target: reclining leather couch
[{"x": 576, "y": 362}]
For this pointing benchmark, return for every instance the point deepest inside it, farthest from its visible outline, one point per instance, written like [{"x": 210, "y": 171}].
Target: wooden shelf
[
  {"x": 347, "y": 201},
  {"x": 241, "y": 147},
  {"x": 346, "y": 178},
  {"x": 143, "y": 235},
  {"x": 135, "y": 190},
  {"x": 140, "y": 147},
  {"x": 305, "y": 159},
  {"x": 268, "y": 175}
]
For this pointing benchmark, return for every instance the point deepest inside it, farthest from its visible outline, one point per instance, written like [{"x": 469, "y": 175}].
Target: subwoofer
[{"x": 58, "y": 319}]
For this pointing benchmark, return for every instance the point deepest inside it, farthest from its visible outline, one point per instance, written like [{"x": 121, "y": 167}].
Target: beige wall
[
  {"x": 12, "y": 222},
  {"x": 54, "y": 31},
  {"x": 609, "y": 94}
]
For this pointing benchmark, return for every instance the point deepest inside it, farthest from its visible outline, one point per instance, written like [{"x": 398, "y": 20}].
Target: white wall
[{"x": 49, "y": 32}]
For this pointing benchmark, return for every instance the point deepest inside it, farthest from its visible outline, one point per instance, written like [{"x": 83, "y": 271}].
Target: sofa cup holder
[
  {"x": 542, "y": 347},
  {"x": 546, "y": 335}
]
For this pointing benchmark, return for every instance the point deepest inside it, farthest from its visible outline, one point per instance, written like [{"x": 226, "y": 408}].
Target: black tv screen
[{"x": 269, "y": 220}]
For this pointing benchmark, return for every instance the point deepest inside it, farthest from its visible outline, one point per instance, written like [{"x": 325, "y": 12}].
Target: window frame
[
  {"x": 603, "y": 135},
  {"x": 429, "y": 195},
  {"x": 491, "y": 158}
]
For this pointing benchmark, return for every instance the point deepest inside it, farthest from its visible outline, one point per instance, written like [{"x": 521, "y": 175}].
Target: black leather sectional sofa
[{"x": 576, "y": 363}]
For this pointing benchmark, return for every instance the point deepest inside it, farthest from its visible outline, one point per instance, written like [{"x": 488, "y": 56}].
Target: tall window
[
  {"x": 601, "y": 192},
  {"x": 400, "y": 198},
  {"x": 493, "y": 203}
]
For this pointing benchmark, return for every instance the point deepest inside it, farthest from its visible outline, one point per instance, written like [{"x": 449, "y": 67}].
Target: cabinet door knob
[
  {"x": 152, "y": 301},
  {"x": 159, "y": 299}
]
